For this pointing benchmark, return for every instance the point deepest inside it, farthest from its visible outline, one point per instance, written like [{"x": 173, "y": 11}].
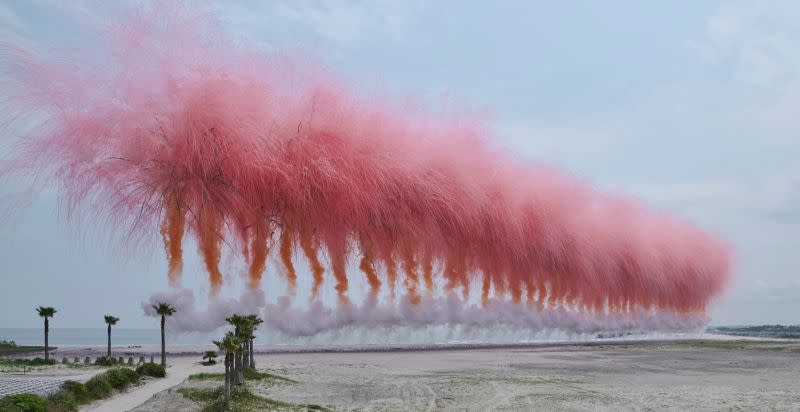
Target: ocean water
[{"x": 71, "y": 337}]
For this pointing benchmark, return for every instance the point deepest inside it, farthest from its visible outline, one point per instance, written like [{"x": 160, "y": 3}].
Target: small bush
[
  {"x": 105, "y": 361},
  {"x": 152, "y": 369},
  {"x": 99, "y": 387},
  {"x": 23, "y": 402},
  {"x": 78, "y": 391},
  {"x": 120, "y": 378},
  {"x": 62, "y": 401}
]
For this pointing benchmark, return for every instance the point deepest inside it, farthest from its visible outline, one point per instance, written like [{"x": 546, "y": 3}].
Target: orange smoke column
[
  {"x": 210, "y": 241},
  {"x": 259, "y": 252},
  {"x": 427, "y": 272},
  {"x": 338, "y": 262},
  {"x": 391, "y": 273},
  {"x": 368, "y": 268},
  {"x": 412, "y": 278},
  {"x": 286, "y": 258},
  {"x": 172, "y": 233},
  {"x": 317, "y": 270}
]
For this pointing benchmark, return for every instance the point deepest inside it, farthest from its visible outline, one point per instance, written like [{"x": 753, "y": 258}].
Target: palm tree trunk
[
  {"x": 252, "y": 359},
  {"x": 46, "y": 343},
  {"x": 108, "y": 354},
  {"x": 163, "y": 347},
  {"x": 239, "y": 369},
  {"x": 227, "y": 379}
]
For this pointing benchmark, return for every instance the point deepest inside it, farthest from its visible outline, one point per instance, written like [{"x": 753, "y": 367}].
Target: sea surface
[{"x": 72, "y": 337}]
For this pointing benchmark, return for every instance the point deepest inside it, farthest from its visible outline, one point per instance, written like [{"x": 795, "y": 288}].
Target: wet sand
[{"x": 633, "y": 376}]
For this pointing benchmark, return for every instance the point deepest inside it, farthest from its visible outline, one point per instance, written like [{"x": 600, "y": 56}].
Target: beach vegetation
[
  {"x": 231, "y": 345},
  {"x": 210, "y": 358},
  {"x": 110, "y": 321},
  {"x": 62, "y": 401},
  {"x": 99, "y": 386},
  {"x": 46, "y": 312},
  {"x": 78, "y": 391},
  {"x": 163, "y": 309},
  {"x": 23, "y": 402},
  {"x": 120, "y": 378},
  {"x": 152, "y": 369},
  {"x": 241, "y": 400},
  {"x": 105, "y": 361}
]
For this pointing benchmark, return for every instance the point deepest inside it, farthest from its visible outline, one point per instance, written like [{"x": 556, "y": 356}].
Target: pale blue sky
[{"x": 689, "y": 105}]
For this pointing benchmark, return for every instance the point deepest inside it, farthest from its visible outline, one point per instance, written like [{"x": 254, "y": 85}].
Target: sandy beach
[{"x": 690, "y": 375}]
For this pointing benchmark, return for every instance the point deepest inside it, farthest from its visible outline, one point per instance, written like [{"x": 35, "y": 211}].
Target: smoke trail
[
  {"x": 258, "y": 251},
  {"x": 189, "y": 317},
  {"x": 412, "y": 278},
  {"x": 368, "y": 267},
  {"x": 427, "y": 272},
  {"x": 172, "y": 234},
  {"x": 166, "y": 115},
  {"x": 286, "y": 257},
  {"x": 317, "y": 270},
  {"x": 451, "y": 311},
  {"x": 210, "y": 242}
]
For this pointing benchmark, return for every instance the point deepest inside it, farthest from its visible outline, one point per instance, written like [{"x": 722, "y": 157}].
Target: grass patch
[
  {"x": 253, "y": 374},
  {"x": 249, "y": 374},
  {"x": 11, "y": 347},
  {"x": 27, "y": 362},
  {"x": 242, "y": 400},
  {"x": 207, "y": 377},
  {"x": 73, "y": 394}
]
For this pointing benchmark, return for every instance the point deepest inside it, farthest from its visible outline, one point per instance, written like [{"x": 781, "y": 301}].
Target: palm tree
[
  {"x": 230, "y": 345},
  {"x": 163, "y": 309},
  {"x": 240, "y": 325},
  {"x": 211, "y": 356},
  {"x": 46, "y": 313},
  {"x": 254, "y": 322},
  {"x": 110, "y": 320}
]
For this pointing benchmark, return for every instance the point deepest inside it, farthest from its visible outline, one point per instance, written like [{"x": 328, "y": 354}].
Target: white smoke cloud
[
  {"x": 447, "y": 312},
  {"x": 450, "y": 312},
  {"x": 189, "y": 317}
]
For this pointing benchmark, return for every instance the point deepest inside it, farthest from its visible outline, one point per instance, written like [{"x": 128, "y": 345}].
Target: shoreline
[{"x": 263, "y": 349}]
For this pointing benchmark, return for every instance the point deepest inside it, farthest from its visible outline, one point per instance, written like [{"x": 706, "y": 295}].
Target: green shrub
[
  {"x": 120, "y": 378},
  {"x": 23, "y": 402},
  {"x": 78, "y": 391},
  {"x": 152, "y": 369},
  {"x": 99, "y": 387},
  {"x": 62, "y": 401},
  {"x": 105, "y": 361}
]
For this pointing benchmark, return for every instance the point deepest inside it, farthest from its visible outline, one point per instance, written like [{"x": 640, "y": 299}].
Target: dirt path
[{"x": 179, "y": 369}]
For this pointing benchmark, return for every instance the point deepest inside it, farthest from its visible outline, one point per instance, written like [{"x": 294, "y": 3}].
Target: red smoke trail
[
  {"x": 427, "y": 272},
  {"x": 412, "y": 277},
  {"x": 172, "y": 233},
  {"x": 160, "y": 114},
  {"x": 210, "y": 240},
  {"x": 368, "y": 267},
  {"x": 286, "y": 257},
  {"x": 317, "y": 270},
  {"x": 258, "y": 252}
]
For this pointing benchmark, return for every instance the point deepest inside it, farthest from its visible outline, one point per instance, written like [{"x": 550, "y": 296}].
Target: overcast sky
[{"x": 690, "y": 105}]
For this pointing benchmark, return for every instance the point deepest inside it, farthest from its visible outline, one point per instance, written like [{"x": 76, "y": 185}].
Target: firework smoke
[{"x": 171, "y": 126}]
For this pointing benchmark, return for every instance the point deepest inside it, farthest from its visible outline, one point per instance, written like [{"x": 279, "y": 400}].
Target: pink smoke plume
[{"x": 165, "y": 124}]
